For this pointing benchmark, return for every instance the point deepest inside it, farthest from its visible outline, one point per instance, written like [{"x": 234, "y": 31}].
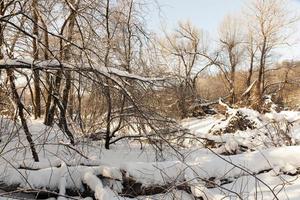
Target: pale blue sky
[{"x": 207, "y": 15}]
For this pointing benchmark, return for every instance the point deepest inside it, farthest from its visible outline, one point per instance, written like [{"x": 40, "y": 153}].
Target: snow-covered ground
[{"x": 257, "y": 161}]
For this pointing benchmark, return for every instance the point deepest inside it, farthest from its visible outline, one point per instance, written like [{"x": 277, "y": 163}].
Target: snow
[
  {"x": 101, "y": 192},
  {"x": 222, "y": 166},
  {"x": 156, "y": 173},
  {"x": 247, "y": 187},
  {"x": 220, "y": 172},
  {"x": 109, "y": 172},
  {"x": 95, "y": 184},
  {"x": 29, "y": 63},
  {"x": 172, "y": 195}
]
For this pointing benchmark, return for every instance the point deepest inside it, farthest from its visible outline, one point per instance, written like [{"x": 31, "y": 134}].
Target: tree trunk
[
  {"x": 64, "y": 124},
  {"x": 50, "y": 115},
  {"x": 20, "y": 107},
  {"x": 260, "y": 74},
  {"x": 1, "y": 30},
  {"x": 233, "y": 64},
  {"x": 232, "y": 86},
  {"x": 65, "y": 97},
  {"x": 48, "y": 99},
  {"x": 182, "y": 102},
  {"x": 49, "y": 85},
  {"x": 71, "y": 100},
  {"x": 35, "y": 53},
  {"x": 106, "y": 64},
  {"x": 248, "y": 83},
  {"x": 68, "y": 76},
  {"x": 108, "y": 117}
]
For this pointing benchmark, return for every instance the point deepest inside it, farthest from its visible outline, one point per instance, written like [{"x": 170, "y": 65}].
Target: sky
[{"x": 208, "y": 14}]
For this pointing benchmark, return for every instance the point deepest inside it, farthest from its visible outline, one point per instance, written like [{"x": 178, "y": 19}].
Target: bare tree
[
  {"x": 251, "y": 50},
  {"x": 269, "y": 23},
  {"x": 182, "y": 49},
  {"x": 4, "y": 10},
  {"x": 232, "y": 50}
]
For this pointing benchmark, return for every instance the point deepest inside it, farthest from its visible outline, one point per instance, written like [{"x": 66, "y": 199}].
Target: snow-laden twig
[{"x": 57, "y": 65}]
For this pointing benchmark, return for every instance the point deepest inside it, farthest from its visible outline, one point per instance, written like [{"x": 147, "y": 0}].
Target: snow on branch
[{"x": 57, "y": 65}]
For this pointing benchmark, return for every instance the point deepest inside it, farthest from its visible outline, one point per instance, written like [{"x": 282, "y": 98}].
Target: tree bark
[
  {"x": 261, "y": 73},
  {"x": 49, "y": 89},
  {"x": 67, "y": 74},
  {"x": 50, "y": 114},
  {"x": 35, "y": 53},
  {"x": 20, "y": 107}
]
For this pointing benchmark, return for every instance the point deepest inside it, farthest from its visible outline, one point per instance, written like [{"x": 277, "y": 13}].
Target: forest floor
[{"x": 240, "y": 155}]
